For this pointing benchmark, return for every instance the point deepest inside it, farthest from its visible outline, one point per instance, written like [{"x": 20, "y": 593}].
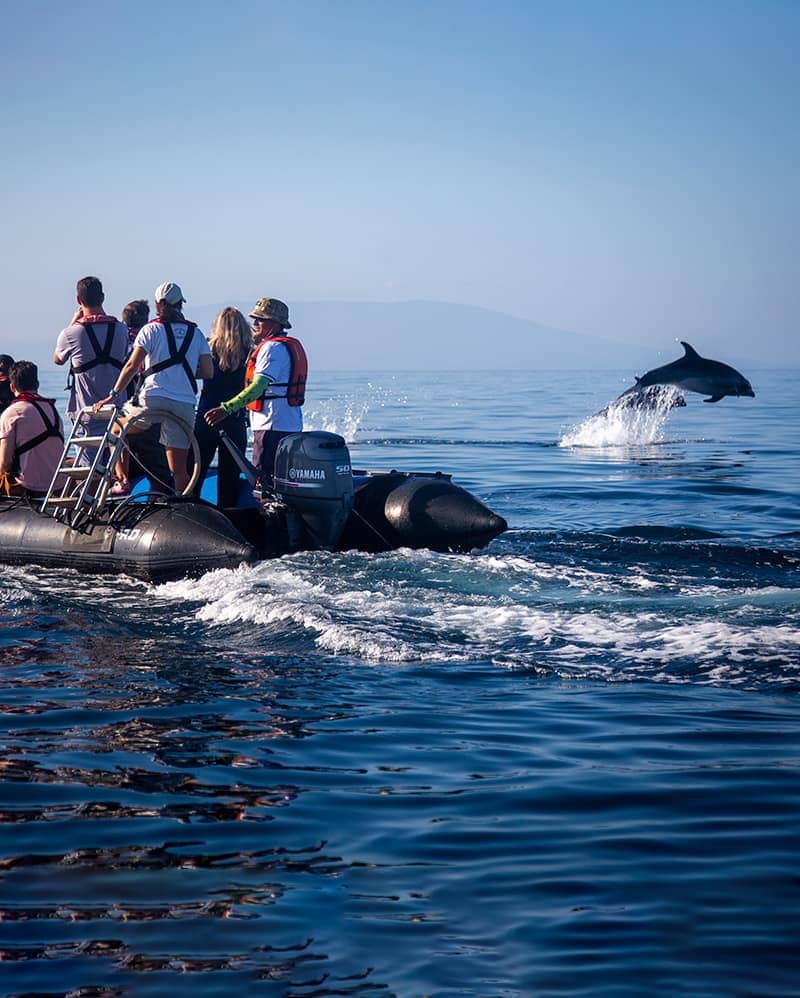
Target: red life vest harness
[
  {"x": 176, "y": 355},
  {"x": 52, "y": 428},
  {"x": 298, "y": 374}
]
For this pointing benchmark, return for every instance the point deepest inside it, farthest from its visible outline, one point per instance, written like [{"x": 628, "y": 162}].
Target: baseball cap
[{"x": 170, "y": 293}]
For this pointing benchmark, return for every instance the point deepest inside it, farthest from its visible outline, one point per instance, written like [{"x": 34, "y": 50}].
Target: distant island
[{"x": 426, "y": 335}]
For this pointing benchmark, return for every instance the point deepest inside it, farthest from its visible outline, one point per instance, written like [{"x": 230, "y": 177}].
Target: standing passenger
[
  {"x": 135, "y": 315},
  {"x": 174, "y": 353},
  {"x": 230, "y": 343},
  {"x": 96, "y": 345},
  {"x": 146, "y": 449},
  {"x": 275, "y": 385}
]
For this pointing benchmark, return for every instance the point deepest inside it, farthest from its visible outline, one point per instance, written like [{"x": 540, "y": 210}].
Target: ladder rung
[
  {"x": 88, "y": 441},
  {"x": 80, "y": 472},
  {"x": 94, "y": 474}
]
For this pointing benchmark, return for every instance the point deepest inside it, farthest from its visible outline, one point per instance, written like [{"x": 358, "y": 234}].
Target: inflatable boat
[{"x": 318, "y": 503}]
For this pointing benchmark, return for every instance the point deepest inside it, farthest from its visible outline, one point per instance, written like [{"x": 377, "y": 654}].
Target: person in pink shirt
[{"x": 31, "y": 436}]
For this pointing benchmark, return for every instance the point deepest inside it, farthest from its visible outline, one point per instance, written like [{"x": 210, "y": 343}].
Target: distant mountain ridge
[{"x": 426, "y": 335}]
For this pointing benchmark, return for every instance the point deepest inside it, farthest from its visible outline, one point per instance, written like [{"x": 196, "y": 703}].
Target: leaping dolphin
[{"x": 694, "y": 373}]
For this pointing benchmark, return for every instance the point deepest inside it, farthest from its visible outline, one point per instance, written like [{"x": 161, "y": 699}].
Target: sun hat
[
  {"x": 170, "y": 293},
  {"x": 272, "y": 308}
]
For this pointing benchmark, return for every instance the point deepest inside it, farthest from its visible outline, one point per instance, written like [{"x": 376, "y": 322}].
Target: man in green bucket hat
[{"x": 274, "y": 385}]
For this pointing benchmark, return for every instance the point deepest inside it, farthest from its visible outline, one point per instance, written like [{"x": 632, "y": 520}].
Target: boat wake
[{"x": 631, "y": 620}]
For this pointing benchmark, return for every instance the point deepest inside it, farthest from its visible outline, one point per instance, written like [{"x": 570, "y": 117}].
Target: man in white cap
[{"x": 174, "y": 353}]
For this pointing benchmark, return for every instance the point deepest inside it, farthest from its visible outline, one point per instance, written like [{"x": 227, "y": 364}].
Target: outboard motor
[{"x": 313, "y": 477}]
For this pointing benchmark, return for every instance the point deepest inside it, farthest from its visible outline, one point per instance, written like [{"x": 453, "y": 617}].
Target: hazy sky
[{"x": 623, "y": 168}]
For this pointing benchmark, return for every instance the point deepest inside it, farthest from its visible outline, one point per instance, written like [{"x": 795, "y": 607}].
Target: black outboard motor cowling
[{"x": 313, "y": 477}]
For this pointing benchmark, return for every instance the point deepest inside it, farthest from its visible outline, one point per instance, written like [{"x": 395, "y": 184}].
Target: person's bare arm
[
  {"x": 57, "y": 358},
  {"x": 6, "y": 454},
  {"x": 131, "y": 366},
  {"x": 205, "y": 367}
]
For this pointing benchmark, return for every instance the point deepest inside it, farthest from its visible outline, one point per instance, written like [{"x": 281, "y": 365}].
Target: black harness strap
[
  {"x": 102, "y": 355},
  {"x": 50, "y": 430},
  {"x": 176, "y": 356}
]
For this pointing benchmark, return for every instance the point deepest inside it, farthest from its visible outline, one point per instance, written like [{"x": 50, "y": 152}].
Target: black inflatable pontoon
[{"x": 319, "y": 503}]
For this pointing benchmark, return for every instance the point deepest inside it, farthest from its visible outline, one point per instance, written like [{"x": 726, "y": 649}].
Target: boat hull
[
  {"x": 161, "y": 539},
  {"x": 400, "y": 509},
  {"x": 151, "y": 541}
]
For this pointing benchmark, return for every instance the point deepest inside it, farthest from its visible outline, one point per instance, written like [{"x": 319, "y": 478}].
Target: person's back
[
  {"x": 230, "y": 343},
  {"x": 171, "y": 361},
  {"x": 148, "y": 457},
  {"x": 174, "y": 354},
  {"x": 31, "y": 436},
  {"x": 94, "y": 344}
]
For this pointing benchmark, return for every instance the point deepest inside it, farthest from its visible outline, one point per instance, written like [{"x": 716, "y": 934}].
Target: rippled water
[{"x": 567, "y": 764}]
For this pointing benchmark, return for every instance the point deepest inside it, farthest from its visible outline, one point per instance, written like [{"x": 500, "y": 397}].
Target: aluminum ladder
[{"x": 80, "y": 488}]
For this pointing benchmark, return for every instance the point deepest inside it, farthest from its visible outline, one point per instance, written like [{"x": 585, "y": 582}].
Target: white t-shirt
[
  {"x": 274, "y": 362},
  {"x": 172, "y": 382}
]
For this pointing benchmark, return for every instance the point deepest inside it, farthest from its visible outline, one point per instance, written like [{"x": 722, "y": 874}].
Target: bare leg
[
  {"x": 121, "y": 467},
  {"x": 176, "y": 459}
]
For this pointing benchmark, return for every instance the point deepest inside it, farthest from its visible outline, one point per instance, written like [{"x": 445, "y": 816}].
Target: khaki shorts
[{"x": 159, "y": 410}]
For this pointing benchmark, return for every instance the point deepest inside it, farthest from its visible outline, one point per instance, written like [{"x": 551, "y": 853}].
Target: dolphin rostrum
[{"x": 694, "y": 373}]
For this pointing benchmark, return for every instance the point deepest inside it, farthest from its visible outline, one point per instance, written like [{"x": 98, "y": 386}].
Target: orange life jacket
[{"x": 298, "y": 374}]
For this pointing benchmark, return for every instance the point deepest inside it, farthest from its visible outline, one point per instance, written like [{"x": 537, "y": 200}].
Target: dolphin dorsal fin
[{"x": 689, "y": 351}]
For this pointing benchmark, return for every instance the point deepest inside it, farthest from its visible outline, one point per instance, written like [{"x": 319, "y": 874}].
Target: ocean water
[{"x": 565, "y": 765}]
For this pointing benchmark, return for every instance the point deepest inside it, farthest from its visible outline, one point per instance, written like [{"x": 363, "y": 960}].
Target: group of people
[{"x": 149, "y": 369}]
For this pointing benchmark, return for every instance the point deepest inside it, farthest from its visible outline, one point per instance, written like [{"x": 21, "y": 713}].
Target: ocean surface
[{"x": 568, "y": 764}]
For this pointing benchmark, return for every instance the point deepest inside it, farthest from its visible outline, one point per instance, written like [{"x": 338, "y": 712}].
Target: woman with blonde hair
[{"x": 230, "y": 342}]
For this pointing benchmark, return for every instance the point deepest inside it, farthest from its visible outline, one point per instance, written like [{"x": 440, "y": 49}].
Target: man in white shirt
[
  {"x": 174, "y": 353},
  {"x": 274, "y": 387}
]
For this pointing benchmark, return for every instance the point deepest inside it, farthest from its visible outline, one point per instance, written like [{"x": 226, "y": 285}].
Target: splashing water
[
  {"x": 345, "y": 421},
  {"x": 630, "y": 419},
  {"x": 346, "y": 411}
]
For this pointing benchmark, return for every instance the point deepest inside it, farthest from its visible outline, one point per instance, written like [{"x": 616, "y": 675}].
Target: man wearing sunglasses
[{"x": 274, "y": 388}]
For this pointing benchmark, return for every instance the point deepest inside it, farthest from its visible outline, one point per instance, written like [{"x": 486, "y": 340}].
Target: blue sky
[{"x": 621, "y": 169}]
